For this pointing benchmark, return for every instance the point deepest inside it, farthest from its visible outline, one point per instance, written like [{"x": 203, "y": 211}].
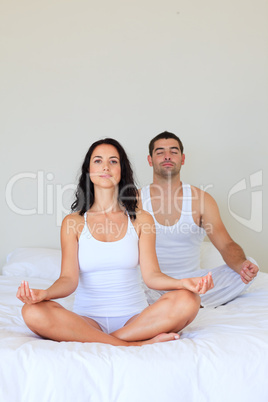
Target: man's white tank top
[
  {"x": 109, "y": 279},
  {"x": 177, "y": 246}
]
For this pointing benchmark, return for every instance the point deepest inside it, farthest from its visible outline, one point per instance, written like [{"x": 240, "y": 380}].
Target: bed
[{"x": 221, "y": 356}]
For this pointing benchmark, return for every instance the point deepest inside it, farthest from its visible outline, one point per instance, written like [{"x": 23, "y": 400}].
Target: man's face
[{"x": 166, "y": 158}]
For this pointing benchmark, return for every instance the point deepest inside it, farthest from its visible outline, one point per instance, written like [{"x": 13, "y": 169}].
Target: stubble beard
[{"x": 167, "y": 173}]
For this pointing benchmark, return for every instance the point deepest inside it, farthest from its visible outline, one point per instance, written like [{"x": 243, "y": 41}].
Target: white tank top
[
  {"x": 177, "y": 246},
  {"x": 109, "y": 279}
]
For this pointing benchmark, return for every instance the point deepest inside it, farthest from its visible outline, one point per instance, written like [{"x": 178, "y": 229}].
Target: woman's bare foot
[{"x": 158, "y": 338}]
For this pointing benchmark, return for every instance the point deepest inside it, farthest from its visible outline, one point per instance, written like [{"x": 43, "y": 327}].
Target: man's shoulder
[
  {"x": 202, "y": 200},
  {"x": 198, "y": 193}
]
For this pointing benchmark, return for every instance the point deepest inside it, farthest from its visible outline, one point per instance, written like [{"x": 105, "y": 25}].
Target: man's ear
[
  {"x": 149, "y": 159},
  {"x": 183, "y": 159}
]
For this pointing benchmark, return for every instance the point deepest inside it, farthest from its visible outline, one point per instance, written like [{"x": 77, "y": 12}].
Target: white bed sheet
[{"x": 222, "y": 356}]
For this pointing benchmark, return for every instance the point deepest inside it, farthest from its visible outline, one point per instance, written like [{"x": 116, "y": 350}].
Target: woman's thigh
[{"x": 91, "y": 322}]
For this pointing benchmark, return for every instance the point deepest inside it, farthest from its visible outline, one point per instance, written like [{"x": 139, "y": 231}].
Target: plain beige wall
[{"x": 76, "y": 71}]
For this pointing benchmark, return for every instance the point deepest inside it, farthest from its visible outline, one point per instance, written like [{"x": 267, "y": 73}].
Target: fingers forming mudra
[
  {"x": 30, "y": 296},
  {"x": 205, "y": 284}
]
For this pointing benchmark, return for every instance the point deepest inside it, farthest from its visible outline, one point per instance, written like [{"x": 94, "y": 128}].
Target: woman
[{"x": 102, "y": 243}]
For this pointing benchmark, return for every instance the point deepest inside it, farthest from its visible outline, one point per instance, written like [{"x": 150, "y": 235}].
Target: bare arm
[
  {"x": 152, "y": 275},
  {"x": 231, "y": 252},
  {"x": 68, "y": 280}
]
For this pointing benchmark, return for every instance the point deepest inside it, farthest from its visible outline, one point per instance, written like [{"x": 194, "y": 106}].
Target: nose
[
  {"x": 106, "y": 166},
  {"x": 167, "y": 156}
]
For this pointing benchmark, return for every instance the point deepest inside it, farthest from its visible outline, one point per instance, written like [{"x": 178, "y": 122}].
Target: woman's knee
[
  {"x": 35, "y": 315},
  {"x": 183, "y": 295},
  {"x": 193, "y": 299},
  {"x": 31, "y": 313},
  {"x": 183, "y": 308},
  {"x": 184, "y": 301}
]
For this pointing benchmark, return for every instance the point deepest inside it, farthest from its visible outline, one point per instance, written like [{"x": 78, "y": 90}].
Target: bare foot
[{"x": 159, "y": 338}]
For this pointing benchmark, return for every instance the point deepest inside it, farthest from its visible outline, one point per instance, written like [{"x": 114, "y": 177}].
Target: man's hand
[
  {"x": 199, "y": 285},
  {"x": 248, "y": 271}
]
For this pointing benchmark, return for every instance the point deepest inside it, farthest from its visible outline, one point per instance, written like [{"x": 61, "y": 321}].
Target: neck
[
  {"x": 106, "y": 200},
  {"x": 170, "y": 183}
]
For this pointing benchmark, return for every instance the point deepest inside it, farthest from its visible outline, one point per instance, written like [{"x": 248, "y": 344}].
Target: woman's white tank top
[
  {"x": 177, "y": 246},
  {"x": 109, "y": 278}
]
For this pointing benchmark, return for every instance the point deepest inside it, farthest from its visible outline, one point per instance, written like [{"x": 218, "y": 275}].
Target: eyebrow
[
  {"x": 162, "y": 148},
  {"x": 110, "y": 157}
]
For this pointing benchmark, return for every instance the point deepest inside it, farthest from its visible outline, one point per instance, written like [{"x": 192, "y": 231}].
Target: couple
[{"x": 110, "y": 303}]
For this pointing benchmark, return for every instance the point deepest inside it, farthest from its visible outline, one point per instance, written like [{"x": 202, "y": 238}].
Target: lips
[
  {"x": 167, "y": 164},
  {"x": 106, "y": 176}
]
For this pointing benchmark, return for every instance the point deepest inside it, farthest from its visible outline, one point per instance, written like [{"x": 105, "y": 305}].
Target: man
[{"x": 183, "y": 216}]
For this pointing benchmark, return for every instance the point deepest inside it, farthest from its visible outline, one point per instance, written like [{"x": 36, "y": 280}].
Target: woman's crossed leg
[{"x": 157, "y": 323}]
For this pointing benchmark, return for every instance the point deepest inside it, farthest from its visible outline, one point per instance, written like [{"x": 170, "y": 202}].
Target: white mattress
[{"x": 222, "y": 356}]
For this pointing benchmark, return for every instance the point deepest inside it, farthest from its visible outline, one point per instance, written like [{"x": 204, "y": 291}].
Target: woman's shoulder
[
  {"x": 73, "y": 221},
  {"x": 144, "y": 217},
  {"x": 74, "y": 216},
  {"x": 144, "y": 222}
]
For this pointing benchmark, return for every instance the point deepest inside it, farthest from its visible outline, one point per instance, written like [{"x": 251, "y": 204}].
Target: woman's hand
[
  {"x": 30, "y": 296},
  {"x": 199, "y": 285}
]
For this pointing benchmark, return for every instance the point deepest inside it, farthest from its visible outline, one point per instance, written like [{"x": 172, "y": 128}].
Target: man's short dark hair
[{"x": 164, "y": 135}]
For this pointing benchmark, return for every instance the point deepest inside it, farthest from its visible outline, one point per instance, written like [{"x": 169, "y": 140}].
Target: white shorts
[{"x": 110, "y": 324}]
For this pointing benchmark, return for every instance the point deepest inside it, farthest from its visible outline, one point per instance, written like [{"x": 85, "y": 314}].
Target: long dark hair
[{"x": 127, "y": 194}]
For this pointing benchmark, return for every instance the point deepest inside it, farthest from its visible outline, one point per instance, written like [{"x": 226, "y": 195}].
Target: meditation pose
[
  {"x": 103, "y": 240},
  {"x": 183, "y": 216}
]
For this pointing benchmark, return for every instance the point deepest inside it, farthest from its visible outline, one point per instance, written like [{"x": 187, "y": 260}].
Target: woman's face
[{"x": 104, "y": 166}]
